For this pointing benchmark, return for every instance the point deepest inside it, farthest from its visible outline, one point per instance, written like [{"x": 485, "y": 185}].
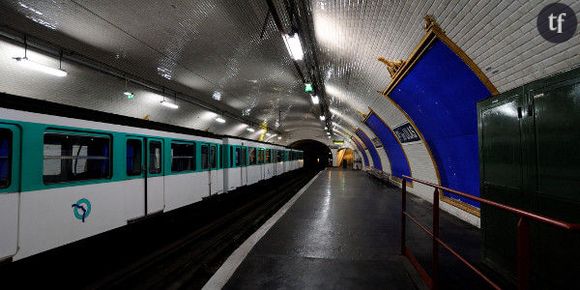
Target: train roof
[{"x": 45, "y": 107}]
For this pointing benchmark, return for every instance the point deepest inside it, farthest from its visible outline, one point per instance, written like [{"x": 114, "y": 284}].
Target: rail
[{"x": 523, "y": 236}]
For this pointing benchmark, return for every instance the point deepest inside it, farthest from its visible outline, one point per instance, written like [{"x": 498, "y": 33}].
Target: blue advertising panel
[
  {"x": 397, "y": 158},
  {"x": 371, "y": 147},
  {"x": 362, "y": 151},
  {"x": 440, "y": 93}
]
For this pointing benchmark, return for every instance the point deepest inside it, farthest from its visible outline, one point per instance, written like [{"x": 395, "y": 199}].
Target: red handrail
[{"x": 523, "y": 236}]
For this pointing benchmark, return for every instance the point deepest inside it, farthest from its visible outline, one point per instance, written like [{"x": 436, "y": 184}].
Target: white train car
[{"x": 65, "y": 175}]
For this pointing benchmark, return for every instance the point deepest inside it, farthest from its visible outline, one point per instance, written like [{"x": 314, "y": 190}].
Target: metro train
[{"x": 69, "y": 173}]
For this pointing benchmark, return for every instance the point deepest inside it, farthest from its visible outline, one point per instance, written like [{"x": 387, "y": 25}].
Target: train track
[{"x": 189, "y": 261}]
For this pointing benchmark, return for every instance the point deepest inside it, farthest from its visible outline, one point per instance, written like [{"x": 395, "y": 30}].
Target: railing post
[
  {"x": 403, "y": 219},
  {"x": 523, "y": 251},
  {"x": 435, "y": 259}
]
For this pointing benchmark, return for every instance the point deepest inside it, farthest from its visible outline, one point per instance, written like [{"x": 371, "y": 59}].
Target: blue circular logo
[{"x": 82, "y": 209}]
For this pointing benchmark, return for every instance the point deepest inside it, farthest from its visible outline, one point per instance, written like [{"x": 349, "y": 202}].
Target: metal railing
[{"x": 523, "y": 236}]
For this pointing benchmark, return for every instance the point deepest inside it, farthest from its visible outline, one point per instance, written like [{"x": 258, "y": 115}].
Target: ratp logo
[
  {"x": 82, "y": 209},
  {"x": 557, "y": 22}
]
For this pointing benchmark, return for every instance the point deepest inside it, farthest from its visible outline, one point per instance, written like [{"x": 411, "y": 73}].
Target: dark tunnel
[{"x": 316, "y": 155}]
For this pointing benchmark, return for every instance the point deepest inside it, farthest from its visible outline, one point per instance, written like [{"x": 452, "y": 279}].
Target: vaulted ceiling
[{"x": 196, "y": 50}]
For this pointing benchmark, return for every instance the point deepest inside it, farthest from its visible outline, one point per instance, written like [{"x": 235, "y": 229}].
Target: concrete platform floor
[{"x": 344, "y": 233}]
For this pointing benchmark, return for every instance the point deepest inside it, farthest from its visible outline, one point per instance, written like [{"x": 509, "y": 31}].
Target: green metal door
[
  {"x": 501, "y": 176},
  {"x": 529, "y": 141},
  {"x": 556, "y": 181}
]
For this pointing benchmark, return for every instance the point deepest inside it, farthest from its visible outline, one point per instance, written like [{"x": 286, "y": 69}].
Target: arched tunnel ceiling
[{"x": 201, "y": 47}]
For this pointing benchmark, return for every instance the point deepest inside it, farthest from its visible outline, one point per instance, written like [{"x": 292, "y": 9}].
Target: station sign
[{"x": 406, "y": 133}]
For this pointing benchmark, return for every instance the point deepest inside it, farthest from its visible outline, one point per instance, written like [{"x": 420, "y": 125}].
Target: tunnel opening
[
  {"x": 345, "y": 158},
  {"x": 316, "y": 154}
]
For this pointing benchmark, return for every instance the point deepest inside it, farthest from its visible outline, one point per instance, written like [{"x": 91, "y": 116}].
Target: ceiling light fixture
[
  {"x": 24, "y": 61},
  {"x": 252, "y": 130},
  {"x": 294, "y": 46},
  {"x": 322, "y": 118},
  {"x": 220, "y": 120},
  {"x": 217, "y": 96},
  {"x": 315, "y": 99},
  {"x": 279, "y": 137},
  {"x": 129, "y": 95},
  {"x": 169, "y": 104}
]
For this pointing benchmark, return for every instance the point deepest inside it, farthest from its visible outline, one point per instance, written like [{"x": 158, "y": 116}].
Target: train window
[
  {"x": 5, "y": 157},
  {"x": 278, "y": 155},
  {"x": 268, "y": 156},
  {"x": 212, "y": 156},
  {"x": 154, "y": 157},
  {"x": 244, "y": 152},
  {"x": 134, "y": 157},
  {"x": 73, "y": 157},
  {"x": 204, "y": 157},
  {"x": 253, "y": 158},
  {"x": 238, "y": 156},
  {"x": 261, "y": 156},
  {"x": 182, "y": 157}
]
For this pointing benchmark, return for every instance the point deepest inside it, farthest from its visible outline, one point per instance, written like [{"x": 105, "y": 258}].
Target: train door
[
  {"x": 275, "y": 161},
  {"x": 136, "y": 170},
  {"x": 213, "y": 172},
  {"x": 244, "y": 166},
  {"x": 206, "y": 165},
  {"x": 154, "y": 192},
  {"x": 262, "y": 160},
  {"x": 9, "y": 189}
]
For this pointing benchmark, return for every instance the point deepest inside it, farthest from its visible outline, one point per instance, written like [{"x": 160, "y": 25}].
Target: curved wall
[
  {"x": 371, "y": 148},
  {"x": 440, "y": 93},
  {"x": 392, "y": 147}
]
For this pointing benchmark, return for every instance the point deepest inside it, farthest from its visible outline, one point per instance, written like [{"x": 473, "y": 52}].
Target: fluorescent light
[
  {"x": 325, "y": 128},
  {"x": 41, "y": 67},
  {"x": 315, "y": 100},
  {"x": 220, "y": 120},
  {"x": 322, "y": 118},
  {"x": 268, "y": 134},
  {"x": 169, "y": 104},
  {"x": 217, "y": 96},
  {"x": 129, "y": 95},
  {"x": 274, "y": 135},
  {"x": 279, "y": 137},
  {"x": 251, "y": 130},
  {"x": 327, "y": 133},
  {"x": 294, "y": 46}
]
